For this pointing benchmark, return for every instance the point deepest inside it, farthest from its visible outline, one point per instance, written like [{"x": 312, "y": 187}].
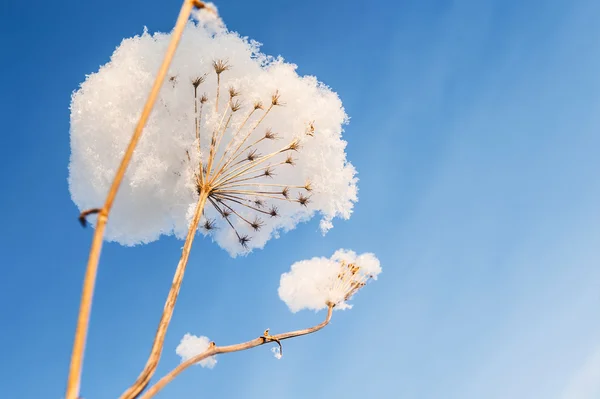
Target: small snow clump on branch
[
  {"x": 276, "y": 352},
  {"x": 191, "y": 346},
  {"x": 264, "y": 142},
  {"x": 318, "y": 282}
]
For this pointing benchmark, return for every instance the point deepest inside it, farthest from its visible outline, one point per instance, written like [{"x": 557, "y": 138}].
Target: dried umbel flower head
[
  {"x": 318, "y": 282},
  {"x": 263, "y": 143}
]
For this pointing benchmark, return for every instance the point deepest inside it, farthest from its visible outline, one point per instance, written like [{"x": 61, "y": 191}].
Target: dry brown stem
[
  {"x": 159, "y": 339},
  {"x": 216, "y": 350},
  {"x": 74, "y": 378}
]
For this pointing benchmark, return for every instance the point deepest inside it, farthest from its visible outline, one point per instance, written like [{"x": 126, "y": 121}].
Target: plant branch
[
  {"x": 216, "y": 350},
  {"x": 74, "y": 378},
  {"x": 159, "y": 339}
]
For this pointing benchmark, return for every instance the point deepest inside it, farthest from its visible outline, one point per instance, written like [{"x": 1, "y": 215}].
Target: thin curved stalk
[
  {"x": 216, "y": 350},
  {"x": 89, "y": 282},
  {"x": 159, "y": 339}
]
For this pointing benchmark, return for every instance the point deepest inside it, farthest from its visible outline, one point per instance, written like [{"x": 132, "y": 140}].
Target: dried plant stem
[
  {"x": 243, "y": 170},
  {"x": 220, "y": 167},
  {"x": 159, "y": 339},
  {"x": 214, "y": 145},
  {"x": 216, "y": 350},
  {"x": 74, "y": 379},
  {"x": 217, "y": 97},
  {"x": 237, "y": 151}
]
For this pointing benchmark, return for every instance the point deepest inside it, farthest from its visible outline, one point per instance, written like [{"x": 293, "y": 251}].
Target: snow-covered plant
[
  {"x": 238, "y": 146},
  {"x": 315, "y": 283},
  {"x": 233, "y": 127},
  {"x": 319, "y": 282},
  {"x": 191, "y": 345}
]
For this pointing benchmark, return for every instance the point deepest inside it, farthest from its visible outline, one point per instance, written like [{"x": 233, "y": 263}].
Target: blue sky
[{"x": 475, "y": 131}]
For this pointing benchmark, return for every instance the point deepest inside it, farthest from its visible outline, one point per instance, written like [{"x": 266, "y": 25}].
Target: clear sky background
[{"x": 476, "y": 133}]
